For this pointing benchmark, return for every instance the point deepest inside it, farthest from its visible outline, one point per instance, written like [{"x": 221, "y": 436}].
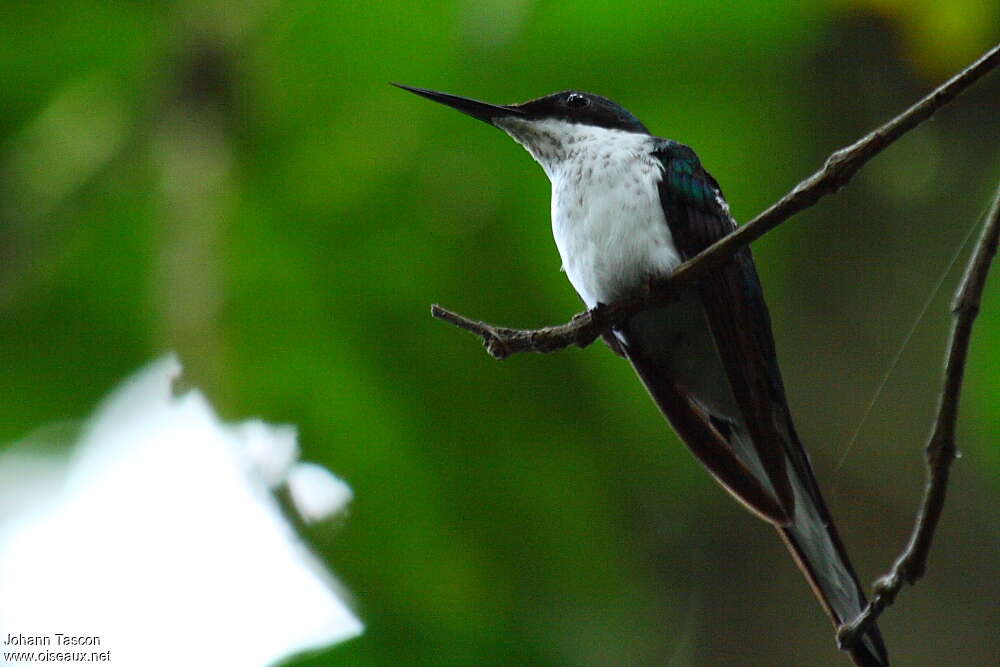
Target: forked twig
[{"x": 940, "y": 451}]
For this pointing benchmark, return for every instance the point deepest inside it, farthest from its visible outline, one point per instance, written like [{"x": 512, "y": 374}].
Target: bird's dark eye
[{"x": 576, "y": 101}]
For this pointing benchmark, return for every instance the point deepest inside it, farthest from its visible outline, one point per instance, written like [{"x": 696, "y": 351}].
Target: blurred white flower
[
  {"x": 316, "y": 493},
  {"x": 271, "y": 450},
  {"x": 161, "y": 537}
]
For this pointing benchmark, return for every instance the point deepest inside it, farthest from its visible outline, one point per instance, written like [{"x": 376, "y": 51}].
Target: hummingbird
[{"x": 628, "y": 208}]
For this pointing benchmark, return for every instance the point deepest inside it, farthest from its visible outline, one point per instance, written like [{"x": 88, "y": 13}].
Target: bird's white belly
[{"x": 610, "y": 229}]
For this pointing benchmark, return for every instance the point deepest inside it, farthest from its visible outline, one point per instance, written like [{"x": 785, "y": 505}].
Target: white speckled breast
[{"x": 606, "y": 215}]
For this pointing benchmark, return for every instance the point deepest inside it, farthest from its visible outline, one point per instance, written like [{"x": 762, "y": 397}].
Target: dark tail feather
[
  {"x": 732, "y": 458},
  {"x": 870, "y": 650},
  {"x": 813, "y": 541}
]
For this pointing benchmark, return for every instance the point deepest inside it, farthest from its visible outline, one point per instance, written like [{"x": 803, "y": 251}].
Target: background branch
[
  {"x": 840, "y": 167},
  {"x": 940, "y": 450}
]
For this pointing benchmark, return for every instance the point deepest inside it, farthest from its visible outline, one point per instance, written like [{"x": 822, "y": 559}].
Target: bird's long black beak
[{"x": 484, "y": 111}]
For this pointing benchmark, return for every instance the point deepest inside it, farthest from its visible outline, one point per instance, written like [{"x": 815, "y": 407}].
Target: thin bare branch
[
  {"x": 501, "y": 342},
  {"x": 940, "y": 451},
  {"x": 584, "y": 328}
]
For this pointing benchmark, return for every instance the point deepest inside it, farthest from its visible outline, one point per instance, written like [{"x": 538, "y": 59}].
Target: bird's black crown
[{"x": 585, "y": 108}]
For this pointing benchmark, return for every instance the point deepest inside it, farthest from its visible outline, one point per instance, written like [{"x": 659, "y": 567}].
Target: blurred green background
[{"x": 237, "y": 181}]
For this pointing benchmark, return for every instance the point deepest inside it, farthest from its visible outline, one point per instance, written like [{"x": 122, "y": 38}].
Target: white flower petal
[{"x": 316, "y": 492}]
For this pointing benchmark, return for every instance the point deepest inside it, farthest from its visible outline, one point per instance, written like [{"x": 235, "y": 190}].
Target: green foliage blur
[{"x": 237, "y": 182}]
